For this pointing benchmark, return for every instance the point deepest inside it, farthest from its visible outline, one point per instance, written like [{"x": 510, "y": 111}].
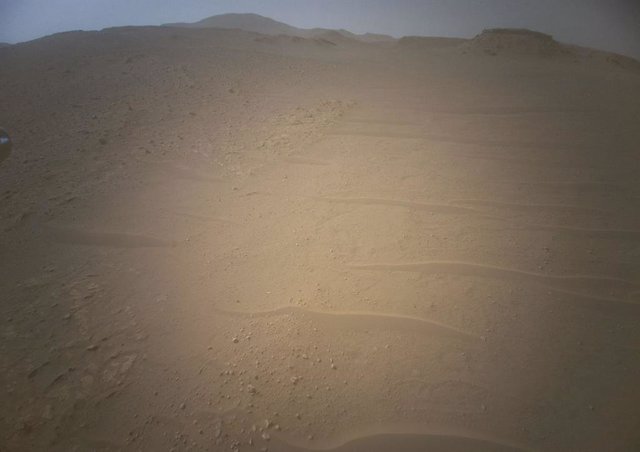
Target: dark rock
[{"x": 5, "y": 145}]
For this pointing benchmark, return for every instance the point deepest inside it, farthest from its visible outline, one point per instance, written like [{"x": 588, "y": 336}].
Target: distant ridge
[
  {"x": 425, "y": 43},
  {"x": 264, "y": 25},
  {"x": 246, "y": 22}
]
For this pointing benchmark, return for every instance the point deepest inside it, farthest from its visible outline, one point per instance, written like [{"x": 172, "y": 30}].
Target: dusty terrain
[{"x": 218, "y": 240}]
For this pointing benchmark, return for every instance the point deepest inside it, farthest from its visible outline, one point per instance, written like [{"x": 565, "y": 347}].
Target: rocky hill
[
  {"x": 264, "y": 25},
  {"x": 514, "y": 41}
]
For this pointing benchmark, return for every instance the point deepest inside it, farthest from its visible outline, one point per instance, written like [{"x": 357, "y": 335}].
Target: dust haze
[{"x": 239, "y": 234}]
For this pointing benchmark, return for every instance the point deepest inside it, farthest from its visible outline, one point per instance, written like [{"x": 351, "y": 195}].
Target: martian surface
[{"x": 221, "y": 239}]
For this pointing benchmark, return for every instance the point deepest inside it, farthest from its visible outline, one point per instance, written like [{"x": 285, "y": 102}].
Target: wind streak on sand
[
  {"x": 409, "y": 438},
  {"x": 75, "y": 236},
  {"x": 437, "y": 208},
  {"x": 364, "y": 320},
  {"x": 563, "y": 284}
]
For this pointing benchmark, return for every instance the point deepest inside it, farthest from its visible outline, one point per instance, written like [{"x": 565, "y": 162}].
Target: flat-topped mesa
[{"x": 514, "y": 41}]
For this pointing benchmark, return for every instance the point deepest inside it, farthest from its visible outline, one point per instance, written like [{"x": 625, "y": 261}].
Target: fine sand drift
[{"x": 215, "y": 239}]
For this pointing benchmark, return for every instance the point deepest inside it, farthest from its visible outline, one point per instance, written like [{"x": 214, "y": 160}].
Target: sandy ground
[{"x": 213, "y": 240}]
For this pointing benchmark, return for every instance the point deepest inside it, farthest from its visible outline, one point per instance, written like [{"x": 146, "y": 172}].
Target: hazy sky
[{"x": 606, "y": 24}]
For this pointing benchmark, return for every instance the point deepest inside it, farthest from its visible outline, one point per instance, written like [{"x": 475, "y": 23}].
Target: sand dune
[{"x": 267, "y": 238}]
